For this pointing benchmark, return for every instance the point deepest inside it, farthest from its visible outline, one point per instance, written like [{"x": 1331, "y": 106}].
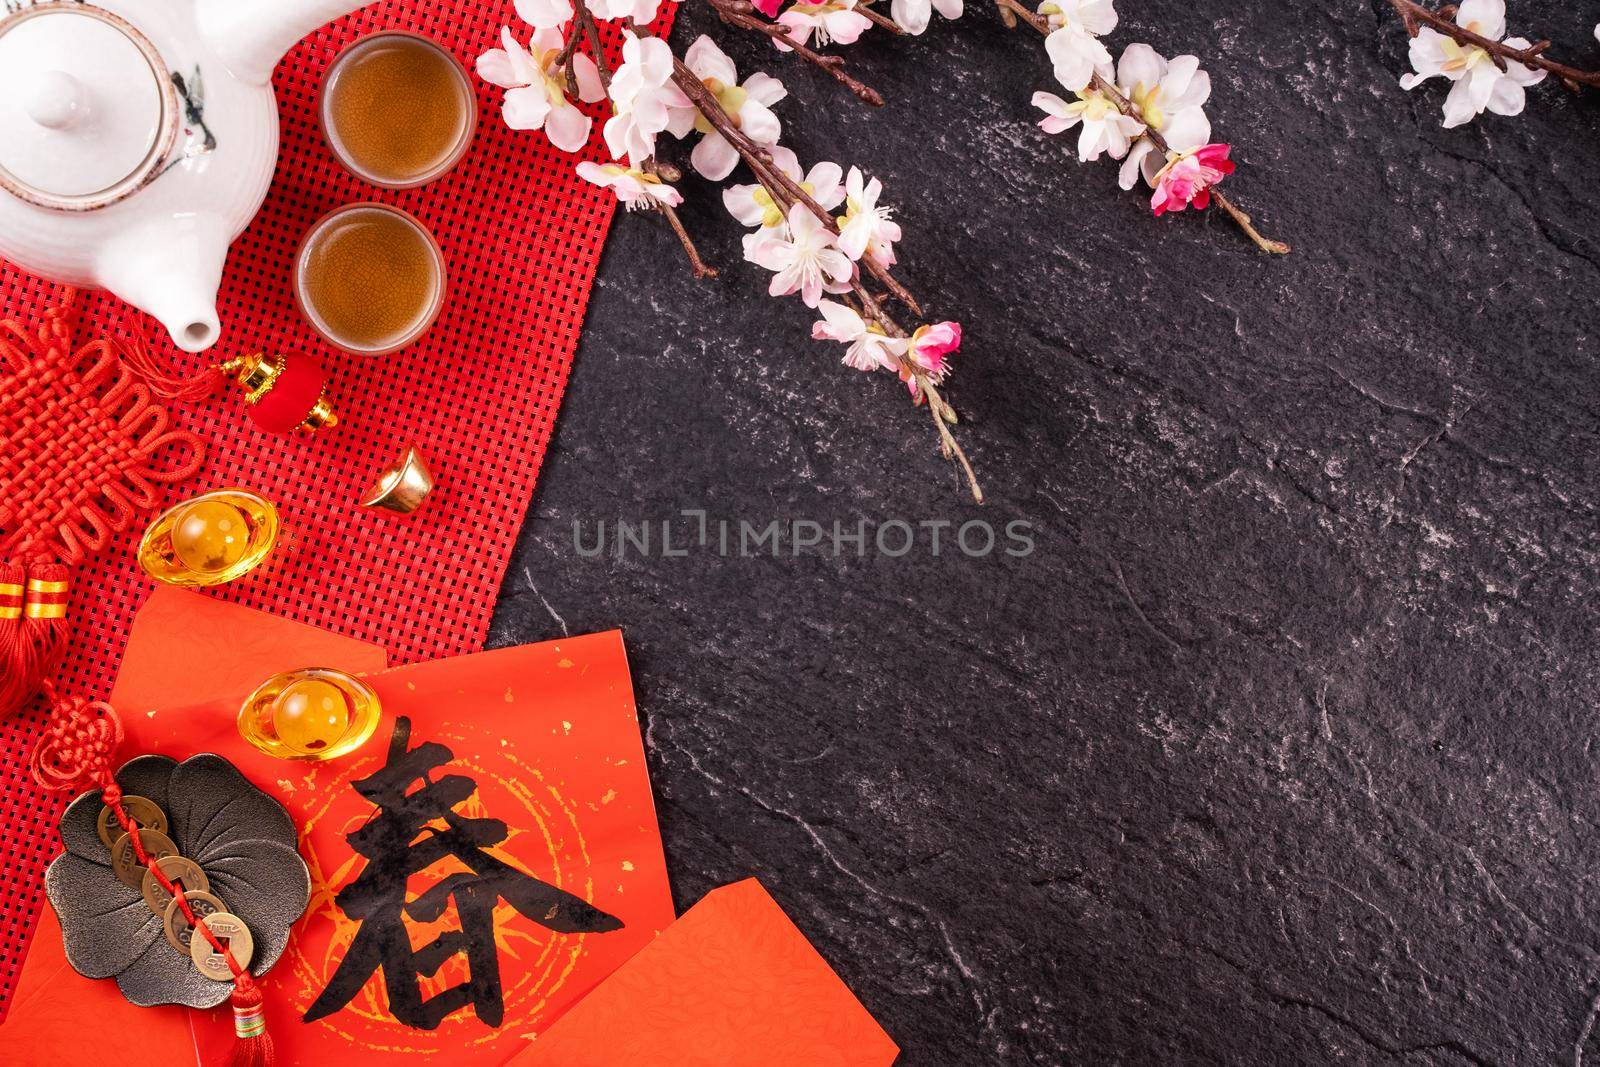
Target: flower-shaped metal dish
[{"x": 242, "y": 839}]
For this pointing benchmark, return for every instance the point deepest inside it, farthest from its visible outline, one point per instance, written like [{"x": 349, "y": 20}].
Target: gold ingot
[
  {"x": 211, "y": 539},
  {"x": 402, "y": 488},
  {"x": 315, "y": 713}
]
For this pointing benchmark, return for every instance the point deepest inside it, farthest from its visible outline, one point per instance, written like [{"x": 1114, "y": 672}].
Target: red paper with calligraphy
[{"x": 498, "y": 860}]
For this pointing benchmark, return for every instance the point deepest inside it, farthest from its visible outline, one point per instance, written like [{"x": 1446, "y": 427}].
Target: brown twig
[
  {"x": 743, "y": 14},
  {"x": 564, "y": 61},
  {"x": 866, "y": 10},
  {"x": 1266, "y": 244},
  {"x": 785, "y": 193},
  {"x": 1128, "y": 107},
  {"x": 699, "y": 266},
  {"x": 591, "y": 33},
  {"x": 1415, "y": 16}
]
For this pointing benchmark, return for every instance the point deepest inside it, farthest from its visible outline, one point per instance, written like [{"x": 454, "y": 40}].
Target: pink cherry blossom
[
  {"x": 768, "y": 8},
  {"x": 929, "y": 351},
  {"x": 931, "y": 347},
  {"x": 1188, "y": 177}
]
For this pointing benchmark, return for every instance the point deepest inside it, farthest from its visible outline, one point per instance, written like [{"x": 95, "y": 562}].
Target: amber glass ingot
[
  {"x": 212, "y": 539},
  {"x": 315, "y": 713}
]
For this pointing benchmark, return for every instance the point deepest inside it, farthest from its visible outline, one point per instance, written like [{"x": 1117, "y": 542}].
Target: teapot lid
[{"x": 88, "y": 112}]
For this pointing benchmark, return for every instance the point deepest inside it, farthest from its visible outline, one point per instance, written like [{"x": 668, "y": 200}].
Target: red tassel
[
  {"x": 136, "y": 355},
  {"x": 20, "y": 672},
  {"x": 254, "y": 1047},
  {"x": 44, "y": 618}
]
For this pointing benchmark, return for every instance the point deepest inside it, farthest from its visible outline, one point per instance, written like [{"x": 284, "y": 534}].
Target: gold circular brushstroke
[{"x": 520, "y": 789}]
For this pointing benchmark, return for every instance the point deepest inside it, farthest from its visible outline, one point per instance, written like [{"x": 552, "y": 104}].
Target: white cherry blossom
[
  {"x": 536, "y": 87},
  {"x": 1073, "y": 44},
  {"x": 752, "y": 205},
  {"x": 832, "y": 20},
  {"x": 804, "y": 257},
  {"x": 913, "y": 16},
  {"x": 865, "y": 229},
  {"x": 636, "y": 189},
  {"x": 1479, "y": 85},
  {"x": 646, "y": 101},
  {"x": 1169, "y": 95},
  {"x": 1104, "y": 127},
  {"x": 641, "y": 11},
  {"x": 870, "y": 348},
  {"x": 1184, "y": 132},
  {"x": 544, "y": 14},
  {"x": 749, "y": 104}
]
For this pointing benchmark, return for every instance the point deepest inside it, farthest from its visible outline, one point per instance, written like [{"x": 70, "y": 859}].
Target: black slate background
[{"x": 1280, "y": 747}]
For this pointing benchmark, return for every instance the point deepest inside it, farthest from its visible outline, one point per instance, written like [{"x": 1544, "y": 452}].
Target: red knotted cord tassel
[
  {"x": 20, "y": 673},
  {"x": 136, "y": 355},
  {"x": 44, "y": 615},
  {"x": 254, "y": 1047}
]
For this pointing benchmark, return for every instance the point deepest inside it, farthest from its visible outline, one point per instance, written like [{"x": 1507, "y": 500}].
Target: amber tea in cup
[
  {"x": 398, "y": 110},
  {"x": 370, "y": 279}
]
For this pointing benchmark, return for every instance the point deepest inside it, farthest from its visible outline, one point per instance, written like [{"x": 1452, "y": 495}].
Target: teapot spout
[
  {"x": 171, "y": 269},
  {"x": 250, "y": 36}
]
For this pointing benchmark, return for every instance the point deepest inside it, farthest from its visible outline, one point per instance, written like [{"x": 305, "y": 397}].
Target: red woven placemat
[{"x": 479, "y": 395}]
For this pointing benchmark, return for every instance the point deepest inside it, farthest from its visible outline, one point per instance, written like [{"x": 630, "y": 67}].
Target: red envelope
[
  {"x": 498, "y": 860},
  {"x": 53, "y": 1002},
  {"x": 182, "y": 647},
  {"x": 731, "y": 984},
  {"x": 185, "y": 647}
]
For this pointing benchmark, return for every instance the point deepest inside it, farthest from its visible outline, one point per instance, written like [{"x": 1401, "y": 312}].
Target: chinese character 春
[{"x": 399, "y": 842}]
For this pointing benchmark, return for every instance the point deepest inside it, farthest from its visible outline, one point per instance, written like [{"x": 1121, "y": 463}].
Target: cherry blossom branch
[
  {"x": 591, "y": 33},
  {"x": 871, "y": 14},
  {"x": 743, "y": 14},
  {"x": 1128, "y": 107},
  {"x": 1415, "y": 16},
  {"x": 668, "y": 172},
  {"x": 707, "y": 104},
  {"x": 785, "y": 193}
]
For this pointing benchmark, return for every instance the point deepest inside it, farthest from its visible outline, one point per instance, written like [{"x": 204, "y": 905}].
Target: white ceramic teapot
[{"x": 137, "y": 140}]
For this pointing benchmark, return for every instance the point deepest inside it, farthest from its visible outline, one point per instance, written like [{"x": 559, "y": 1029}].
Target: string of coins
[
  {"x": 76, "y": 750},
  {"x": 174, "y": 887}
]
